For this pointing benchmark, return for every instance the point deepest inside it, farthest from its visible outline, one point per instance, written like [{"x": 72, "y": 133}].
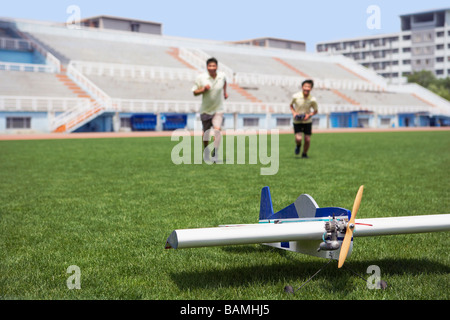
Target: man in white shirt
[
  {"x": 303, "y": 107},
  {"x": 212, "y": 85}
]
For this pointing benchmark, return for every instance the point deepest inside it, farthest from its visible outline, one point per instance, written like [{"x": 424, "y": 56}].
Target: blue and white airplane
[{"x": 304, "y": 227}]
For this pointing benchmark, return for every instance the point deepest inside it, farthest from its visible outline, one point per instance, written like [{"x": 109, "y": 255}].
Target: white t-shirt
[{"x": 212, "y": 100}]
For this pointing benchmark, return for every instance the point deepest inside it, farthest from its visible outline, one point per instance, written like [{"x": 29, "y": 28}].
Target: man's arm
[
  {"x": 314, "y": 112},
  {"x": 201, "y": 90},
  {"x": 225, "y": 94},
  {"x": 293, "y": 110}
]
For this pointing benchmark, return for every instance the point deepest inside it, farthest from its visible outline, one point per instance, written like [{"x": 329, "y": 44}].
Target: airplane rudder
[{"x": 266, "y": 207}]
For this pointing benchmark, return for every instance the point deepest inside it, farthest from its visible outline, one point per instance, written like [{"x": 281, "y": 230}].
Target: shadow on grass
[{"x": 294, "y": 271}]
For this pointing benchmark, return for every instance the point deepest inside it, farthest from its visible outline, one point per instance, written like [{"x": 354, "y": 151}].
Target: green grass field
[{"x": 108, "y": 205}]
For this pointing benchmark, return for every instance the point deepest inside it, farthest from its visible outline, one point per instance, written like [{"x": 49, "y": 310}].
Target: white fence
[
  {"x": 241, "y": 78},
  {"x": 75, "y": 116},
  {"x": 50, "y": 59},
  {"x": 155, "y": 106},
  {"x": 30, "y": 67},
  {"x": 441, "y": 105},
  {"x": 53, "y": 64},
  {"x": 198, "y": 58},
  {"x": 88, "y": 85},
  {"x": 44, "y": 104},
  {"x": 15, "y": 44},
  {"x": 134, "y": 71},
  {"x": 71, "y": 107},
  {"x": 290, "y": 81}
]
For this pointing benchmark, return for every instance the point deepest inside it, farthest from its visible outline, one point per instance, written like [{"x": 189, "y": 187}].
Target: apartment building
[{"x": 422, "y": 44}]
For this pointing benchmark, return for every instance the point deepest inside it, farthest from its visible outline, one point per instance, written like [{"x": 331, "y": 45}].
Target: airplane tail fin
[{"x": 266, "y": 207}]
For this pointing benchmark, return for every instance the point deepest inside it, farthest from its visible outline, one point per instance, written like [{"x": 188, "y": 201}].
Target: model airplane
[{"x": 304, "y": 227}]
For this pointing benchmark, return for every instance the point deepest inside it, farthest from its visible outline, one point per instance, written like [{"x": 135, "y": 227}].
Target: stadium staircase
[
  {"x": 335, "y": 91},
  {"x": 175, "y": 52},
  {"x": 345, "y": 97},
  {"x": 289, "y": 66},
  {"x": 76, "y": 117},
  {"x": 73, "y": 119},
  {"x": 423, "y": 100},
  {"x": 247, "y": 95}
]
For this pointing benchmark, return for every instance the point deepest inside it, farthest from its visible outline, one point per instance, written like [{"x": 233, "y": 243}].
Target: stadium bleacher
[
  {"x": 114, "y": 70},
  {"x": 33, "y": 84}
]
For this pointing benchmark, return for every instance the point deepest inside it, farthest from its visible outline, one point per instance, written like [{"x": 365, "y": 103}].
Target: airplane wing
[
  {"x": 401, "y": 225},
  {"x": 245, "y": 234}
]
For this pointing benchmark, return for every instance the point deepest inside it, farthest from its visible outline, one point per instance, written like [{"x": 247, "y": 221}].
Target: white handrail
[
  {"x": 241, "y": 78},
  {"x": 36, "y": 103},
  {"x": 88, "y": 85},
  {"x": 72, "y": 106},
  {"x": 155, "y": 106},
  {"x": 50, "y": 58},
  {"x": 69, "y": 115},
  {"x": 439, "y": 104},
  {"x": 15, "y": 44},
  {"x": 134, "y": 71},
  {"x": 15, "y": 66},
  {"x": 198, "y": 58},
  {"x": 76, "y": 115}
]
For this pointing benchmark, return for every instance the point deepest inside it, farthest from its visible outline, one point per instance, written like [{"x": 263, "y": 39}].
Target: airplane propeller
[{"x": 350, "y": 227}]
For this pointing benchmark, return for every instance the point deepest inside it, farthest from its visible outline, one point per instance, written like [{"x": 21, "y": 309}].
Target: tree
[{"x": 427, "y": 80}]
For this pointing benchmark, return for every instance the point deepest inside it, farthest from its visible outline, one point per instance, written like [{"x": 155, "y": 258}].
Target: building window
[
  {"x": 18, "y": 123},
  {"x": 385, "y": 122},
  {"x": 251, "y": 122},
  {"x": 440, "y": 59},
  {"x": 135, "y": 27},
  {"x": 125, "y": 122},
  {"x": 428, "y": 50},
  {"x": 439, "y": 72},
  {"x": 283, "y": 122},
  {"x": 440, "y": 34}
]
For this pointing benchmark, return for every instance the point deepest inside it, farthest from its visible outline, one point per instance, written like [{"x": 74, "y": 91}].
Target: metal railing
[
  {"x": 134, "y": 71},
  {"x": 162, "y": 106},
  {"x": 240, "y": 78},
  {"x": 15, "y": 44},
  {"x": 74, "y": 116},
  {"x": 44, "y": 104},
  {"x": 30, "y": 67}
]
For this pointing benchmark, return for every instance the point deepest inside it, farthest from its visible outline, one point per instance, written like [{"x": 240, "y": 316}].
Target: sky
[{"x": 233, "y": 20}]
